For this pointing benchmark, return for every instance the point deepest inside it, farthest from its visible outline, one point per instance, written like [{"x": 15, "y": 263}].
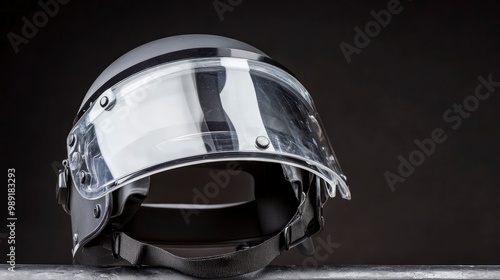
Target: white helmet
[{"x": 181, "y": 107}]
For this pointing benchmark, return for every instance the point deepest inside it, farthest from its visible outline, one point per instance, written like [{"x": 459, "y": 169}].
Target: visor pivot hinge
[
  {"x": 75, "y": 237},
  {"x": 262, "y": 142}
]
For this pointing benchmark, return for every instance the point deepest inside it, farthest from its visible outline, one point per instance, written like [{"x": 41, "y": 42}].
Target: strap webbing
[{"x": 223, "y": 265}]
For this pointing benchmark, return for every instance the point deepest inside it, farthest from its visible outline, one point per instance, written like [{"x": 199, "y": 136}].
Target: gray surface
[{"x": 272, "y": 272}]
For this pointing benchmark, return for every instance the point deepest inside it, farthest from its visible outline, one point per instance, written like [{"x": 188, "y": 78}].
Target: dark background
[{"x": 393, "y": 92}]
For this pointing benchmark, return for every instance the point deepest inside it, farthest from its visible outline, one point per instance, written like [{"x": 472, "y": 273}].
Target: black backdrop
[{"x": 395, "y": 90}]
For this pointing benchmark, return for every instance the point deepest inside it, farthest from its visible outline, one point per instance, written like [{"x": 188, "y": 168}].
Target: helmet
[{"x": 199, "y": 153}]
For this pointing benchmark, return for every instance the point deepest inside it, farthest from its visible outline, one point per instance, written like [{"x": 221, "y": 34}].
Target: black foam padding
[
  {"x": 274, "y": 205},
  {"x": 205, "y": 226}
]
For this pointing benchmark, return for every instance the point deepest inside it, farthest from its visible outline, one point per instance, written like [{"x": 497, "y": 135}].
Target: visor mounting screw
[
  {"x": 84, "y": 177},
  {"x": 97, "y": 211},
  {"x": 104, "y": 101},
  {"x": 262, "y": 142},
  {"x": 75, "y": 237},
  {"x": 71, "y": 140}
]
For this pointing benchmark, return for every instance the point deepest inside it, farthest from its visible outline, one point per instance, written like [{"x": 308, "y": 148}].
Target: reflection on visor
[{"x": 198, "y": 111}]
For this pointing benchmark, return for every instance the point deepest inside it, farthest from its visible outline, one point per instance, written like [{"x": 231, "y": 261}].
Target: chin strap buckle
[
  {"x": 297, "y": 227},
  {"x": 290, "y": 242},
  {"x": 308, "y": 219},
  {"x": 63, "y": 186}
]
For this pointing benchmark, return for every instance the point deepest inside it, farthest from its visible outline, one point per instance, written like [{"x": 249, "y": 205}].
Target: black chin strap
[
  {"x": 307, "y": 221},
  {"x": 224, "y": 265}
]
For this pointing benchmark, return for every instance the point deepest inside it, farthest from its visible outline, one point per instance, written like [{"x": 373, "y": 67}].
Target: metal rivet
[
  {"x": 71, "y": 140},
  {"x": 262, "y": 142},
  {"x": 104, "y": 101},
  {"x": 97, "y": 211},
  {"x": 75, "y": 237},
  {"x": 83, "y": 176}
]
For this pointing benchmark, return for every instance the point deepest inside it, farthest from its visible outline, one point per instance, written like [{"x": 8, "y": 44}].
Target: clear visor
[{"x": 198, "y": 111}]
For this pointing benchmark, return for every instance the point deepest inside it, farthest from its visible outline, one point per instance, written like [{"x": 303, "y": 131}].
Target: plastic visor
[{"x": 197, "y": 111}]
